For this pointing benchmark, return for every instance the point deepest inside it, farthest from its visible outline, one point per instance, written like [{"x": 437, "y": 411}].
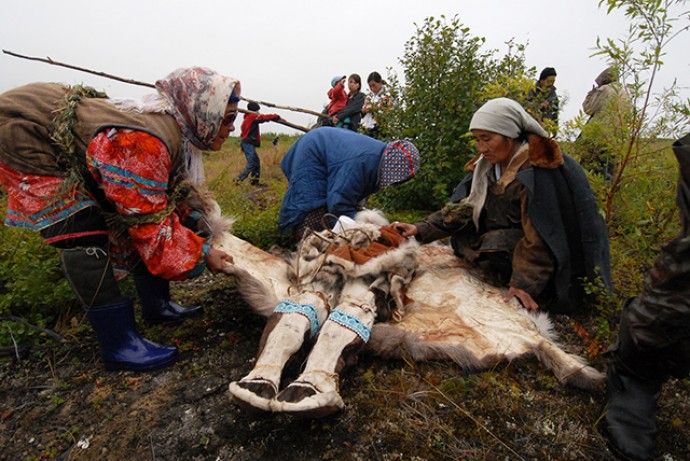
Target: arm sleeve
[
  {"x": 353, "y": 106},
  {"x": 432, "y": 228},
  {"x": 594, "y": 101},
  {"x": 133, "y": 168},
  {"x": 267, "y": 118}
]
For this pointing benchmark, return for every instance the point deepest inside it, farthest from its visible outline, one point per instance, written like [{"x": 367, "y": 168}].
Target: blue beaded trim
[
  {"x": 307, "y": 310},
  {"x": 351, "y": 323}
]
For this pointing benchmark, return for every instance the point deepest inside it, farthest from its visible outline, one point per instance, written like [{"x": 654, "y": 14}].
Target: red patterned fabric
[
  {"x": 133, "y": 168},
  {"x": 36, "y": 202}
]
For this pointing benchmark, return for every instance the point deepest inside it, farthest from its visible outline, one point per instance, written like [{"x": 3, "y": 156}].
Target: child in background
[
  {"x": 251, "y": 139},
  {"x": 337, "y": 95}
]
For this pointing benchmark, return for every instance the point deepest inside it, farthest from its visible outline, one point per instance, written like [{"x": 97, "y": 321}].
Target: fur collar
[{"x": 543, "y": 153}]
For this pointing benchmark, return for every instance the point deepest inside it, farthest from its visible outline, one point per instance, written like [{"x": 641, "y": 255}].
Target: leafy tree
[{"x": 445, "y": 71}]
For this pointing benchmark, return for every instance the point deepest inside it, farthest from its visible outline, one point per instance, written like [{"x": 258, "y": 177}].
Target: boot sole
[{"x": 127, "y": 366}]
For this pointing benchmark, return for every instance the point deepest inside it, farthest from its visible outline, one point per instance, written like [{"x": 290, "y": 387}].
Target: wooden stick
[
  {"x": 294, "y": 109},
  {"x": 280, "y": 120},
  {"x": 48, "y": 60},
  {"x": 69, "y": 66}
]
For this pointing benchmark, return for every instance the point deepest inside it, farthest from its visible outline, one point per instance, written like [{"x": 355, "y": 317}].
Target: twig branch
[
  {"x": 281, "y": 121},
  {"x": 294, "y": 109},
  {"x": 52, "y": 334},
  {"x": 48, "y": 60},
  {"x": 14, "y": 343}
]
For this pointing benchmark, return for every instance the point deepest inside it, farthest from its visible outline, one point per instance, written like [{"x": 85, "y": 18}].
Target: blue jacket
[{"x": 329, "y": 167}]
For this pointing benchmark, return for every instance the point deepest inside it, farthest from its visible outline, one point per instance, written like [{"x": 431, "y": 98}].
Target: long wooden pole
[
  {"x": 280, "y": 120},
  {"x": 48, "y": 60},
  {"x": 294, "y": 109}
]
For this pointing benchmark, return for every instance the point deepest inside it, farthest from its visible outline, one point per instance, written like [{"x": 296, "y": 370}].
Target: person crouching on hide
[
  {"x": 653, "y": 339},
  {"x": 116, "y": 185},
  {"x": 333, "y": 171},
  {"x": 343, "y": 283},
  {"x": 525, "y": 213}
]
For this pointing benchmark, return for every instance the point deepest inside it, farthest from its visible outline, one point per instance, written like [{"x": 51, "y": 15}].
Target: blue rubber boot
[
  {"x": 121, "y": 346},
  {"x": 156, "y": 305}
]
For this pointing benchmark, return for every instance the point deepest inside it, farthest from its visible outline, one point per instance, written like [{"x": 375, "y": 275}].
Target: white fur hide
[{"x": 454, "y": 315}]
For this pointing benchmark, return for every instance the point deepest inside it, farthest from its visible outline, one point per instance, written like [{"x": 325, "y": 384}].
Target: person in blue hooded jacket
[{"x": 332, "y": 171}]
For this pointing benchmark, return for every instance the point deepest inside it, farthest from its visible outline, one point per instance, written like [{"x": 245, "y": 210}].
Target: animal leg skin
[
  {"x": 315, "y": 392},
  {"x": 284, "y": 334}
]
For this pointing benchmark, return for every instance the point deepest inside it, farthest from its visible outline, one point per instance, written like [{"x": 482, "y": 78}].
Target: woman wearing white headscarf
[
  {"x": 113, "y": 184},
  {"x": 525, "y": 213}
]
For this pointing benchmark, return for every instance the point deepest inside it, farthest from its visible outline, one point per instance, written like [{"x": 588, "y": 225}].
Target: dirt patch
[{"x": 61, "y": 404}]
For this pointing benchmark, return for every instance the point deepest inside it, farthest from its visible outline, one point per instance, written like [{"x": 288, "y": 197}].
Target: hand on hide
[
  {"x": 405, "y": 229},
  {"x": 217, "y": 260},
  {"x": 524, "y": 298}
]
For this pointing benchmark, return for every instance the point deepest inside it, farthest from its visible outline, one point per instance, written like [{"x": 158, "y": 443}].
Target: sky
[{"x": 287, "y": 51}]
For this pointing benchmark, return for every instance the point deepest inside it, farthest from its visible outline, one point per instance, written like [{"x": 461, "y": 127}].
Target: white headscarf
[{"x": 506, "y": 117}]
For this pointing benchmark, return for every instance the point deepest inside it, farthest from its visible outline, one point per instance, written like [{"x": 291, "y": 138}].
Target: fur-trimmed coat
[{"x": 551, "y": 220}]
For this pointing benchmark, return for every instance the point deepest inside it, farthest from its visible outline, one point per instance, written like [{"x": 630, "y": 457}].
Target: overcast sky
[{"x": 287, "y": 51}]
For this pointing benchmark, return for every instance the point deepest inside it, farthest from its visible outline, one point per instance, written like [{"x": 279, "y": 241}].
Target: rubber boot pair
[
  {"x": 111, "y": 315},
  {"x": 156, "y": 305},
  {"x": 122, "y": 348}
]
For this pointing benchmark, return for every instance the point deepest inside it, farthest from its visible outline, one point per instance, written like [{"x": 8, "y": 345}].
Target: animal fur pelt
[{"x": 453, "y": 314}]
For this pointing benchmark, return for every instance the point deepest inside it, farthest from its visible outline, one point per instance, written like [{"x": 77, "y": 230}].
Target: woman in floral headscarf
[{"x": 116, "y": 185}]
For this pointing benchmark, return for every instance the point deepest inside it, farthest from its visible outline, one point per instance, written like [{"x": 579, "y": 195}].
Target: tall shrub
[{"x": 445, "y": 71}]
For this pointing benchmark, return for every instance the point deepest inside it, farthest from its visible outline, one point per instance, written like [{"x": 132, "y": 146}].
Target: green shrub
[{"x": 31, "y": 283}]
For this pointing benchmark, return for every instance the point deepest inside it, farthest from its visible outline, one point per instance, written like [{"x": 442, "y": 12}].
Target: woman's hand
[
  {"x": 405, "y": 229},
  {"x": 525, "y": 299},
  {"x": 217, "y": 260}
]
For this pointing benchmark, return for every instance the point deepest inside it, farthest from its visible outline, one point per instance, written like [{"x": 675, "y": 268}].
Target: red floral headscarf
[{"x": 199, "y": 97}]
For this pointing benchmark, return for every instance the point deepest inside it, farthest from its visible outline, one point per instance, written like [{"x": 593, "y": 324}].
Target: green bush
[{"x": 31, "y": 283}]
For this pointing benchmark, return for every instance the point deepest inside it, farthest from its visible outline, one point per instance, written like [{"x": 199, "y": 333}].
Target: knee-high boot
[
  {"x": 156, "y": 305},
  {"x": 632, "y": 388},
  {"x": 293, "y": 320},
  {"x": 111, "y": 315},
  {"x": 121, "y": 346},
  {"x": 315, "y": 392}
]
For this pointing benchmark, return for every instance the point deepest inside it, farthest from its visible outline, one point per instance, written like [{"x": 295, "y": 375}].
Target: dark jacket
[
  {"x": 563, "y": 209},
  {"x": 353, "y": 109},
  {"x": 538, "y": 95}
]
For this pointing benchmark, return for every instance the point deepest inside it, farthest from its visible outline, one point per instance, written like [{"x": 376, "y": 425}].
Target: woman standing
[
  {"x": 353, "y": 109},
  {"x": 115, "y": 186},
  {"x": 378, "y": 99}
]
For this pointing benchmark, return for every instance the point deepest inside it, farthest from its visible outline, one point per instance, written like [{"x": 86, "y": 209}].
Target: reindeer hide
[{"x": 453, "y": 316}]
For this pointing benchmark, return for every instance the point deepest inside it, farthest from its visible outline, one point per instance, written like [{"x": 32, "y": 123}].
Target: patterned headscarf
[
  {"x": 199, "y": 97},
  {"x": 506, "y": 117},
  {"x": 399, "y": 162}
]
